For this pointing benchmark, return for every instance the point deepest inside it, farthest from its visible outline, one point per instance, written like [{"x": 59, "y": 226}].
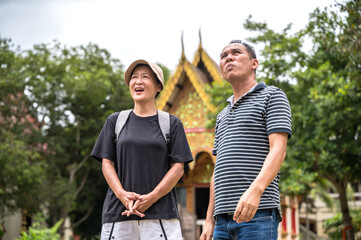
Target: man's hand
[
  {"x": 247, "y": 205},
  {"x": 207, "y": 233}
]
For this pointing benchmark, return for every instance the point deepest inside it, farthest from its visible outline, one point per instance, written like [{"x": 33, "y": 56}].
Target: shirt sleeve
[
  {"x": 214, "y": 150},
  {"x": 179, "y": 150},
  {"x": 220, "y": 121},
  {"x": 104, "y": 147},
  {"x": 278, "y": 113}
]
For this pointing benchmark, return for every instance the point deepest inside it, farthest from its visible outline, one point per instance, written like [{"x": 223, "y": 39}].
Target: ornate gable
[
  {"x": 202, "y": 71},
  {"x": 203, "y": 61}
]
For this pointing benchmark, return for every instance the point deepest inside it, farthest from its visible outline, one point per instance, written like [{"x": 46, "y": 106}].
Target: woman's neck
[{"x": 145, "y": 109}]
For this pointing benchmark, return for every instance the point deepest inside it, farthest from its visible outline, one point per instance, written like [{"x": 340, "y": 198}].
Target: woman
[{"x": 140, "y": 168}]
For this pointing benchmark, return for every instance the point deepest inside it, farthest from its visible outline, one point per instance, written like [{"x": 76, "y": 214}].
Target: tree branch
[
  {"x": 82, "y": 184},
  {"x": 85, "y": 217},
  {"x": 81, "y": 163},
  {"x": 76, "y": 168}
]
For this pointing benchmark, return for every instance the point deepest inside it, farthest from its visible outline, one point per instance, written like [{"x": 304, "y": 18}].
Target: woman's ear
[{"x": 159, "y": 87}]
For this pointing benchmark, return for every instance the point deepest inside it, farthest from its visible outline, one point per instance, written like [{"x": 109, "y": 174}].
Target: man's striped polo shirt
[{"x": 241, "y": 145}]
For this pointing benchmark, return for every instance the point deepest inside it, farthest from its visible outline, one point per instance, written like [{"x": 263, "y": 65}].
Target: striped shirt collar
[{"x": 255, "y": 88}]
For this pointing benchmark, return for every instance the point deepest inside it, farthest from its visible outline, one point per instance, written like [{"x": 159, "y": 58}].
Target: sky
[{"x": 148, "y": 29}]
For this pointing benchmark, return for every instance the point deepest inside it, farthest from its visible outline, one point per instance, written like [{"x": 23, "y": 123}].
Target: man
[{"x": 250, "y": 145}]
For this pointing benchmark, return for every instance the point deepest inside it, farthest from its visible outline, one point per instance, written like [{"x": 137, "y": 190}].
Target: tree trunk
[
  {"x": 3, "y": 230},
  {"x": 307, "y": 221},
  {"x": 347, "y": 220}
]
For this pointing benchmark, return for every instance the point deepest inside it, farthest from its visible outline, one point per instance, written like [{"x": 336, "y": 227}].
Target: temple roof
[
  {"x": 201, "y": 57},
  {"x": 202, "y": 71}
]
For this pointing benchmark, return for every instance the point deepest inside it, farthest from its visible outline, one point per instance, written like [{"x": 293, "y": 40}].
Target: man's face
[{"x": 235, "y": 62}]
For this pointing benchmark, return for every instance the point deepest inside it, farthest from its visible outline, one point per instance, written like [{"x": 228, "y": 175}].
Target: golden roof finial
[
  {"x": 182, "y": 42},
  {"x": 200, "y": 36}
]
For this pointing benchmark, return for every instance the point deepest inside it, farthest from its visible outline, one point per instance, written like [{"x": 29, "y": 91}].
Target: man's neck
[{"x": 242, "y": 87}]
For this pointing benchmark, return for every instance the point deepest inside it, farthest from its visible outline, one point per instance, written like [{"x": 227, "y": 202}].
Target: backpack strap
[
  {"x": 121, "y": 120},
  {"x": 163, "y": 120},
  {"x": 164, "y": 124}
]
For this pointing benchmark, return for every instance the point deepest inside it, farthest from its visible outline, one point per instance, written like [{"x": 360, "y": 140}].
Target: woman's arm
[
  {"x": 165, "y": 186},
  {"x": 127, "y": 198}
]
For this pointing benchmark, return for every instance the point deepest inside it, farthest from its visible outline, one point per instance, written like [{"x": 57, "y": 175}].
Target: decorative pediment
[
  {"x": 202, "y": 71},
  {"x": 201, "y": 58}
]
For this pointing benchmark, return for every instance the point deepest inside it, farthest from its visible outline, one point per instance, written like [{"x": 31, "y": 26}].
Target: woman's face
[{"x": 142, "y": 85}]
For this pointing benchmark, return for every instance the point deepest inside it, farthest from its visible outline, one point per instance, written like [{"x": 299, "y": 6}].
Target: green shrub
[
  {"x": 334, "y": 226},
  {"x": 42, "y": 233}
]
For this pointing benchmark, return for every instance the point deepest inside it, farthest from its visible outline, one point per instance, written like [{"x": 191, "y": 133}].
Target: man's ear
[{"x": 254, "y": 64}]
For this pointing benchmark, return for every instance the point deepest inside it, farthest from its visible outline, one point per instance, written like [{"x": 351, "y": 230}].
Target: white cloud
[{"x": 146, "y": 29}]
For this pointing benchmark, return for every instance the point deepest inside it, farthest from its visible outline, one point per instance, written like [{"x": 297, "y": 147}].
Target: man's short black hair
[{"x": 250, "y": 48}]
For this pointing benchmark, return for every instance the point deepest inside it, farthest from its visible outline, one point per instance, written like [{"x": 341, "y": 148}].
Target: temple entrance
[
  {"x": 193, "y": 195},
  {"x": 202, "y": 200},
  {"x": 203, "y": 169},
  {"x": 200, "y": 178}
]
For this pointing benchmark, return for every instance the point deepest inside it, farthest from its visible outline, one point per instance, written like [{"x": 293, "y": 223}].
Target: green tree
[
  {"x": 22, "y": 169},
  {"x": 166, "y": 72},
  {"x": 72, "y": 91}
]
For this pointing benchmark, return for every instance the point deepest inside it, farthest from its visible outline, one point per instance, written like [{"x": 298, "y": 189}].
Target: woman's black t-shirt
[{"x": 141, "y": 160}]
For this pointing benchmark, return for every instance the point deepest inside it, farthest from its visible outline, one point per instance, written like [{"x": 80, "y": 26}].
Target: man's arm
[
  {"x": 127, "y": 198},
  {"x": 165, "y": 186},
  {"x": 248, "y": 204},
  {"x": 207, "y": 233}
]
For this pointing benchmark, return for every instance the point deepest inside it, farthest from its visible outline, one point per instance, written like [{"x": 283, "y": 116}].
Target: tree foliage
[
  {"x": 334, "y": 225},
  {"x": 54, "y": 102},
  {"x": 42, "y": 233},
  {"x": 22, "y": 174},
  {"x": 22, "y": 169},
  {"x": 73, "y": 90}
]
